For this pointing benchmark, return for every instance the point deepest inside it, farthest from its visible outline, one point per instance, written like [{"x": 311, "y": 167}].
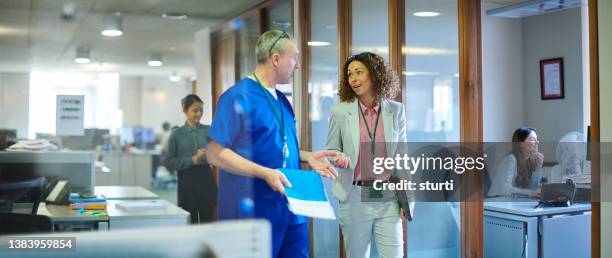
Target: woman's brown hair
[
  {"x": 525, "y": 168},
  {"x": 384, "y": 79}
]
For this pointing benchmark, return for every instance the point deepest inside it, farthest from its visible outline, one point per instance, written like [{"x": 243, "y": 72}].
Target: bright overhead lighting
[
  {"x": 82, "y": 60},
  {"x": 418, "y": 73},
  {"x": 82, "y": 55},
  {"x": 174, "y": 77},
  {"x": 426, "y": 14},
  {"x": 155, "y": 59},
  {"x": 318, "y": 43},
  {"x": 112, "y": 25},
  {"x": 155, "y": 63},
  {"x": 174, "y": 16}
]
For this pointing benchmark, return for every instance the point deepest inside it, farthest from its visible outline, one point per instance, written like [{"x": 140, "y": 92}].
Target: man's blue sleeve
[{"x": 229, "y": 119}]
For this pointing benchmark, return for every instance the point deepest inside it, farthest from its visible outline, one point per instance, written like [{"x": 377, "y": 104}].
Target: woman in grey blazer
[{"x": 367, "y": 117}]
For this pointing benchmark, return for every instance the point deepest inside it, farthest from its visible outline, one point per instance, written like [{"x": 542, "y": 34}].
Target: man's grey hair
[{"x": 265, "y": 41}]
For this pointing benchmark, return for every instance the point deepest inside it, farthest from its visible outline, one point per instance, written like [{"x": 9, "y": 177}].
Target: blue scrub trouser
[{"x": 290, "y": 241}]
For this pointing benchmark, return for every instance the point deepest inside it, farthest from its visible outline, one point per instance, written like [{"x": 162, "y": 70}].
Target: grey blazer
[{"x": 343, "y": 136}]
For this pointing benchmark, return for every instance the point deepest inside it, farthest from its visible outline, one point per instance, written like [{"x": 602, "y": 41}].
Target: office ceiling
[
  {"x": 34, "y": 36},
  {"x": 501, "y": 2}
]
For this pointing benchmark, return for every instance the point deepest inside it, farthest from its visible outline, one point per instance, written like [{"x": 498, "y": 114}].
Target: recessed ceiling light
[
  {"x": 175, "y": 16},
  {"x": 318, "y": 43},
  {"x": 82, "y": 55},
  {"x": 82, "y": 60},
  {"x": 174, "y": 77},
  {"x": 426, "y": 14},
  {"x": 113, "y": 25},
  {"x": 155, "y": 59}
]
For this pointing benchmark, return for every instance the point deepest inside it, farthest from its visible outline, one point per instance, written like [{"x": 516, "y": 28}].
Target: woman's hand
[
  {"x": 195, "y": 159},
  {"x": 342, "y": 161},
  {"x": 318, "y": 162},
  {"x": 404, "y": 214},
  {"x": 199, "y": 157},
  {"x": 536, "y": 194}
]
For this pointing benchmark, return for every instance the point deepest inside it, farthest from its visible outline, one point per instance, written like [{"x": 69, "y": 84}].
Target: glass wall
[
  {"x": 370, "y": 27},
  {"x": 431, "y": 98},
  {"x": 323, "y": 88},
  {"x": 279, "y": 18},
  {"x": 248, "y": 34}
]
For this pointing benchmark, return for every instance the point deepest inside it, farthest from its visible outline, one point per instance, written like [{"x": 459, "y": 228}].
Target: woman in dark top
[{"x": 197, "y": 191}]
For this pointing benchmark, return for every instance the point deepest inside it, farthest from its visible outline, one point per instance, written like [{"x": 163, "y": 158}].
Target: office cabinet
[
  {"x": 126, "y": 170},
  {"x": 513, "y": 228}
]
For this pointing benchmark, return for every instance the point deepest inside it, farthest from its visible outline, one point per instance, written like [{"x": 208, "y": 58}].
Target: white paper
[
  {"x": 141, "y": 205},
  {"x": 315, "y": 209},
  {"x": 551, "y": 77},
  {"x": 69, "y": 115}
]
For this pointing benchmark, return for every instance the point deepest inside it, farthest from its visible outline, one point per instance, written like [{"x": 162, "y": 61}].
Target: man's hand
[
  {"x": 318, "y": 162},
  {"x": 276, "y": 180}
]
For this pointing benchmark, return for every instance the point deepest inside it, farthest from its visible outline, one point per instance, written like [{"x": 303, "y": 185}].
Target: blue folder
[{"x": 306, "y": 185}]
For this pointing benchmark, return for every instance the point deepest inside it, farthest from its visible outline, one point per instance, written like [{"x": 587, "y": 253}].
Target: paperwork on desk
[
  {"x": 80, "y": 202},
  {"x": 33, "y": 145},
  {"x": 307, "y": 197},
  {"x": 141, "y": 205}
]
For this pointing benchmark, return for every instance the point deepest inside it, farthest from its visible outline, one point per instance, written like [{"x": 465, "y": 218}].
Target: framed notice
[
  {"x": 551, "y": 78},
  {"x": 69, "y": 115}
]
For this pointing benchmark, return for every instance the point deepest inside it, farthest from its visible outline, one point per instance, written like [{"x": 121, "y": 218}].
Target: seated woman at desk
[{"x": 517, "y": 174}]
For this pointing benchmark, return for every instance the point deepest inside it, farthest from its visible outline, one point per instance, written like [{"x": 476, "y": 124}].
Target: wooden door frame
[{"x": 595, "y": 129}]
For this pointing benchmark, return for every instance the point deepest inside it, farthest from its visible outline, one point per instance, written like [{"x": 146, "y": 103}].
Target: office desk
[
  {"x": 62, "y": 216},
  {"x": 117, "y": 218},
  {"x": 513, "y": 228},
  {"x": 125, "y": 193}
]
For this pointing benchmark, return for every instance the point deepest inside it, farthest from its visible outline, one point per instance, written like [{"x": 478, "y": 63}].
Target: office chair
[
  {"x": 28, "y": 191},
  {"x": 15, "y": 223}
]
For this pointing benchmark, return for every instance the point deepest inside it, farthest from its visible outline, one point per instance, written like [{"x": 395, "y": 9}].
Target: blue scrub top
[{"x": 245, "y": 123}]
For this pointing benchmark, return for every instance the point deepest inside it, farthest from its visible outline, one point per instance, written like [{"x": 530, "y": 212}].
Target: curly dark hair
[{"x": 384, "y": 79}]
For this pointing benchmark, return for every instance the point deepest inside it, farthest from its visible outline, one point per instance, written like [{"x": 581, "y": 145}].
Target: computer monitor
[
  {"x": 11, "y": 134},
  {"x": 7, "y": 138},
  {"x": 97, "y": 136},
  {"x": 127, "y": 135},
  {"x": 144, "y": 137}
]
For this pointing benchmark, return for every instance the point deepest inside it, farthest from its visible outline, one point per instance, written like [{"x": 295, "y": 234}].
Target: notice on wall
[{"x": 69, "y": 115}]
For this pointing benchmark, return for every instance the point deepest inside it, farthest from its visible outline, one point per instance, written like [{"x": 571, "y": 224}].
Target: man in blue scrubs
[{"x": 252, "y": 135}]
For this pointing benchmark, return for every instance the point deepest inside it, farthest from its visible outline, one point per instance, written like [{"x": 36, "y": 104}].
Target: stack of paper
[
  {"x": 307, "y": 196},
  {"x": 141, "y": 205},
  {"x": 87, "y": 203}
]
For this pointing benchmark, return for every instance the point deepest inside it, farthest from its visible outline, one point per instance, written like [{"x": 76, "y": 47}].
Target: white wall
[
  {"x": 547, "y": 36},
  {"x": 502, "y": 77},
  {"x": 130, "y": 99},
  {"x": 204, "y": 72},
  {"x": 605, "y": 116},
  {"x": 14, "y": 102},
  {"x": 161, "y": 101}
]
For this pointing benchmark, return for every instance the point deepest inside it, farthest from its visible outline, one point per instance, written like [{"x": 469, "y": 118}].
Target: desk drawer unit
[
  {"x": 504, "y": 238},
  {"x": 566, "y": 236}
]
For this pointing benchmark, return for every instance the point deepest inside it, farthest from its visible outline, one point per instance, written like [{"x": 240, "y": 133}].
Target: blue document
[{"x": 307, "y": 196}]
